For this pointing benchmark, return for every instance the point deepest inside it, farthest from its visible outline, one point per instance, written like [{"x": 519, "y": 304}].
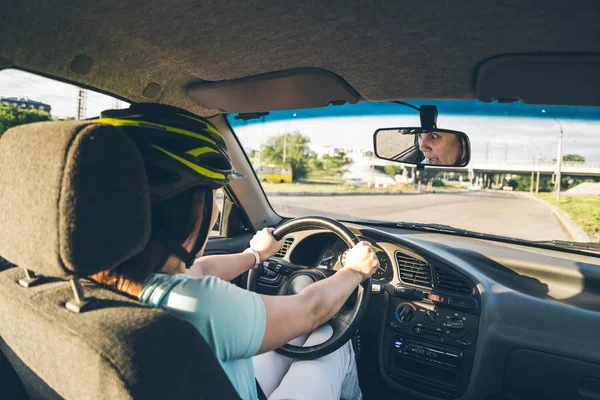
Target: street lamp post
[
  {"x": 284, "y": 147},
  {"x": 537, "y": 182},
  {"x": 533, "y": 164},
  {"x": 285, "y": 139},
  {"x": 532, "y": 176},
  {"x": 559, "y": 157}
]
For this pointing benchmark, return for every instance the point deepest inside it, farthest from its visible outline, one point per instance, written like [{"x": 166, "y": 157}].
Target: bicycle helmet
[{"x": 180, "y": 151}]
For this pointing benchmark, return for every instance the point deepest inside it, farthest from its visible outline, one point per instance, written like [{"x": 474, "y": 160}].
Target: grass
[
  {"x": 456, "y": 185},
  {"x": 333, "y": 188},
  {"x": 448, "y": 186},
  {"x": 323, "y": 177},
  {"x": 583, "y": 210}
]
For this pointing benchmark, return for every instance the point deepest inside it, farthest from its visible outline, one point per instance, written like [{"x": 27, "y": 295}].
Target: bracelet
[{"x": 257, "y": 259}]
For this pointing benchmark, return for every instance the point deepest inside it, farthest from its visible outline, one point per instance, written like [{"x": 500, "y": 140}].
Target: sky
[
  {"x": 498, "y": 131},
  {"x": 518, "y": 135}
]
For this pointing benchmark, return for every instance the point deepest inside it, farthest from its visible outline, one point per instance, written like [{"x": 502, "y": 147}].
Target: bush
[
  {"x": 513, "y": 183},
  {"x": 437, "y": 183},
  {"x": 393, "y": 170},
  {"x": 15, "y": 116},
  {"x": 315, "y": 164}
]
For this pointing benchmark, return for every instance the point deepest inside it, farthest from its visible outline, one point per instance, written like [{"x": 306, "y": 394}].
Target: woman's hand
[
  {"x": 362, "y": 258},
  {"x": 291, "y": 316},
  {"x": 265, "y": 243}
]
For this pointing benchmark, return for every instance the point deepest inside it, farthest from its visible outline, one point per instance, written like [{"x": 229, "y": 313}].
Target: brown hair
[{"x": 177, "y": 218}]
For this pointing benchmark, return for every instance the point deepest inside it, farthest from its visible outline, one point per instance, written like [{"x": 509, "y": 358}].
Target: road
[{"x": 506, "y": 214}]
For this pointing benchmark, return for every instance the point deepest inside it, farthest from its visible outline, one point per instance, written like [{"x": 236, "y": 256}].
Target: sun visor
[
  {"x": 285, "y": 90},
  {"x": 541, "y": 79}
]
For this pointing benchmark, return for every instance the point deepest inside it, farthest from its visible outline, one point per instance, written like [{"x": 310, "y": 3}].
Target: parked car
[{"x": 354, "y": 181}]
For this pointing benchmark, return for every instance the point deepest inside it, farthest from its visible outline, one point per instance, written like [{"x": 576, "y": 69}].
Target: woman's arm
[
  {"x": 291, "y": 316},
  {"x": 224, "y": 266},
  {"x": 230, "y": 266}
]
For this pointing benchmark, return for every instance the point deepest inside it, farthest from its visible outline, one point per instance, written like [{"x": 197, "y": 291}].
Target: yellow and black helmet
[{"x": 180, "y": 149}]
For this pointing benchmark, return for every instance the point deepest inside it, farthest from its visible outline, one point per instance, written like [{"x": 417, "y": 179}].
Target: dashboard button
[
  {"x": 418, "y": 330},
  {"x": 462, "y": 303},
  {"x": 403, "y": 291},
  {"x": 463, "y": 343},
  {"x": 454, "y": 324},
  {"x": 405, "y": 312},
  {"x": 430, "y": 316},
  {"x": 270, "y": 273}
]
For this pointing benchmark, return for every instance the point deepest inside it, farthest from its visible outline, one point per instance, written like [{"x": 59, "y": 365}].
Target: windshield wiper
[
  {"x": 572, "y": 245},
  {"x": 444, "y": 229}
]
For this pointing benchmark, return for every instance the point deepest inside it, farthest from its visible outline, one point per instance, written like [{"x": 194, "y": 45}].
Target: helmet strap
[{"x": 204, "y": 228}]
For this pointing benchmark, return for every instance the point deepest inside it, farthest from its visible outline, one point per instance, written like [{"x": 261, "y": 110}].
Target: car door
[{"x": 231, "y": 234}]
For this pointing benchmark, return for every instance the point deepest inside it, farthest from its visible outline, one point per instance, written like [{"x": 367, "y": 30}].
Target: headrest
[{"x": 74, "y": 198}]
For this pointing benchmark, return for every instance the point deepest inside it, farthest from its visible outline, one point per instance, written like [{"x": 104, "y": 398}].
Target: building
[
  {"x": 331, "y": 151},
  {"x": 25, "y": 103}
]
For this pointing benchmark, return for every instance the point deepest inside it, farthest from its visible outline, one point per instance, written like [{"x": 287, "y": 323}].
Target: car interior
[{"x": 451, "y": 315}]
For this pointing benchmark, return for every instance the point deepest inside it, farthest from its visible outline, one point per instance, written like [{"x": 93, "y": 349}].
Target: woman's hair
[{"x": 177, "y": 218}]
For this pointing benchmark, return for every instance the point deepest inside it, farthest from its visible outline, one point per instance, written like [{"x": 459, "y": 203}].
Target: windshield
[{"x": 322, "y": 162}]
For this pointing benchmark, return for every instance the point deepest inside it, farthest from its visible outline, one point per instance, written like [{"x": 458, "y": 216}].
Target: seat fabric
[
  {"x": 74, "y": 201},
  {"x": 120, "y": 350}
]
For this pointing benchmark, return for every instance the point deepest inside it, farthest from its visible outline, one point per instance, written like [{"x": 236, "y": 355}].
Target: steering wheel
[{"x": 346, "y": 321}]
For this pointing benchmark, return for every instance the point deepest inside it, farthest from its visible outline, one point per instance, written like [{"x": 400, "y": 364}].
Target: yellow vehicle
[{"x": 274, "y": 174}]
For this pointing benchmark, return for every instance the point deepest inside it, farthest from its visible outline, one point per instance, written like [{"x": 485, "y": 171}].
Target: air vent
[
  {"x": 413, "y": 270},
  {"x": 286, "y": 245},
  {"x": 446, "y": 280}
]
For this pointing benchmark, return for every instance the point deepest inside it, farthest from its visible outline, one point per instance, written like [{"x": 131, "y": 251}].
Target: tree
[
  {"x": 14, "y": 116},
  {"x": 297, "y": 152},
  {"x": 315, "y": 164},
  {"x": 393, "y": 170},
  {"x": 522, "y": 183},
  {"x": 338, "y": 160},
  {"x": 573, "y": 158}
]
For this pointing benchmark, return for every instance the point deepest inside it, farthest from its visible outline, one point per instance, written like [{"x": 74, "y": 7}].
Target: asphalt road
[{"x": 506, "y": 214}]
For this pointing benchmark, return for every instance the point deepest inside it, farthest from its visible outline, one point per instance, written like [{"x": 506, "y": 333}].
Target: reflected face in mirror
[
  {"x": 421, "y": 146},
  {"x": 439, "y": 148}
]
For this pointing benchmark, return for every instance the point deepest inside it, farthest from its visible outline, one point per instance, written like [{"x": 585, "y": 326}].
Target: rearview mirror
[{"x": 420, "y": 146}]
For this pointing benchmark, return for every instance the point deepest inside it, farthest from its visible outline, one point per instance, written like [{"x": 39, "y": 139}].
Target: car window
[
  {"x": 507, "y": 189},
  {"x": 219, "y": 200},
  {"x": 27, "y": 98}
]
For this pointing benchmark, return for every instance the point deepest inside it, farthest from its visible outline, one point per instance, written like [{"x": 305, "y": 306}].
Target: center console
[{"x": 429, "y": 341}]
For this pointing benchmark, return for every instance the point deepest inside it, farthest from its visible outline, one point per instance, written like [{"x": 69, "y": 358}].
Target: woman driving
[{"x": 186, "y": 159}]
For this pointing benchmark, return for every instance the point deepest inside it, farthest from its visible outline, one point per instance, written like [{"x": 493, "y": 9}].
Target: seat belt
[{"x": 259, "y": 391}]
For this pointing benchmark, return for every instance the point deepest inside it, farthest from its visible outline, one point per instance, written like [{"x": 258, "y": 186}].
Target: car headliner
[{"x": 415, "y": 49}]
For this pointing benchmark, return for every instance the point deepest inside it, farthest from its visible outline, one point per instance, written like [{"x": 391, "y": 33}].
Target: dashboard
[
  {"x": 454, "y": 317},
  {"x": 326, "y": 250}
]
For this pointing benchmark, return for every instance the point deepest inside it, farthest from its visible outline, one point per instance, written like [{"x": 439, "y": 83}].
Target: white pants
[{"x": 332, "y": 377}]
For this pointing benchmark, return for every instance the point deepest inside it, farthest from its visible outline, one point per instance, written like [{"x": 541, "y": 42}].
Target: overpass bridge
[
  {"x": 524, "y": 167},
  {"x": 518, "y": 167}
]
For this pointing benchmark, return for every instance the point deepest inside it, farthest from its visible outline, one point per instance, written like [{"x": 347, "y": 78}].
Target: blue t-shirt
[{"x": 231, "y": 320}]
